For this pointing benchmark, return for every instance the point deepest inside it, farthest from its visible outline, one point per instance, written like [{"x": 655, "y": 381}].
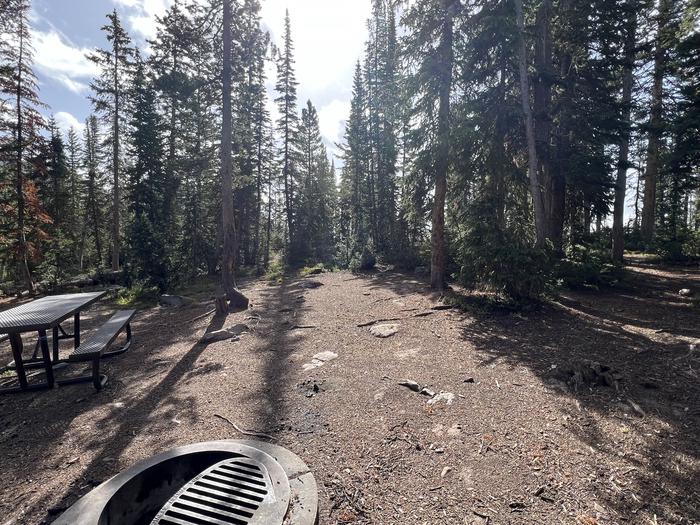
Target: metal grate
[{"x": 237, "y": 491}]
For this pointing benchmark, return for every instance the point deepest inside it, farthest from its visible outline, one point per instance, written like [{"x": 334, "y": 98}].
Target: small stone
[
  {"x": 310, "y": 284},
  {"x": 445, "y": 472},
  {"x": 384, "y": 330},
  {"x": 427, "y": 392},
  {"x": 319, "y": 360},
  {"x": 238, "y": 329},
  {"x": 684, "y": 292},
  {"x": 447, "y": 397},
  {"x": 174, "y": 300},
  {"x": 469, "y": 380},
  {"x": 454, "y": 430},
  {"x": 217, "y": 335},
  {"x": 411, "y": 385},
  {"x": 421, "y": 270}
]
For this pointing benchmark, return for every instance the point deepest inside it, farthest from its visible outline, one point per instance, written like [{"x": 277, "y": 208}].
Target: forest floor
[{"x": 517, "y": 444}]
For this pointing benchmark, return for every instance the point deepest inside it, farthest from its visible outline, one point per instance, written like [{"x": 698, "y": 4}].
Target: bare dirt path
[{"x": 529, "y": 436}]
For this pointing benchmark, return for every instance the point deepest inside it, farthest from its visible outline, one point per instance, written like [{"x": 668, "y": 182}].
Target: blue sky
[{"x": 329, "y": 37}]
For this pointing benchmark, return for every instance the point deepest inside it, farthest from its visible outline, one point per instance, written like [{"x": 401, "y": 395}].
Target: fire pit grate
[
  {"x": 234, "y": 491},
  {"x": 229, "y": 482}
]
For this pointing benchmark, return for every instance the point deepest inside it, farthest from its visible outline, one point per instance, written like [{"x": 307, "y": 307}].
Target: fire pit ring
[{"x": 236, "y": 482}]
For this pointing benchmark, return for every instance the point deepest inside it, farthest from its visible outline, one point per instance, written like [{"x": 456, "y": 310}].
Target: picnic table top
[{"x": 46, "y": 312}]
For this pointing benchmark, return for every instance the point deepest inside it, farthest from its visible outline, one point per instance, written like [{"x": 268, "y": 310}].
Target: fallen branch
[
  {"x": 375, "y": 321},
  {"x": 442, "y": 307},
  {"x": 301, "y": 326},
  {"x": 419, "y": 314},
  {"x": 243, "y": 431},
  {"x": 207, "y": 314}
]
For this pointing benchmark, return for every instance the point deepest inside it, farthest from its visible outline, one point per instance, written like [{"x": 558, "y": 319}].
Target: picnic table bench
[{"x": 48, "y": 313}]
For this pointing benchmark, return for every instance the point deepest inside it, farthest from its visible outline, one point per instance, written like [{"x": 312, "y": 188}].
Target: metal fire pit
[{"x": 231, "y": 482}]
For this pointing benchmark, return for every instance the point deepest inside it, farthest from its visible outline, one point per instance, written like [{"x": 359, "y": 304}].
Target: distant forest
[{"x": 508, "y": 145}]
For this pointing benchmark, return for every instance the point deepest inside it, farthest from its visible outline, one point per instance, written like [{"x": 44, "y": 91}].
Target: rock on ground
[
  {"x": 320, "y": 359},
  {"x": 174, "y": 300},
  {"x": 384, "y": 330}
]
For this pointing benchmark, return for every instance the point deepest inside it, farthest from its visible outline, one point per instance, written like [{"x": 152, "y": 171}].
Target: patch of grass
[
  {"x": 200, "y": 289},
  {"x": 275, "y": 272},
  {"x": 138, "y": 295},
  {"x": 312, "y": 270}
]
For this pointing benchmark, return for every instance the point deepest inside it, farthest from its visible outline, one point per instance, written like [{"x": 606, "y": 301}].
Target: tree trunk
[
  {"x": 618, "y": 237},
  {"x": 655, "y": 124},
  {"x": 115, "y": 162},
  {"x": 535, "y": 188},
  {"x": 258, "y": 199},
  {"x": 22, "y": 255},
  {"x": 437, "y": 234},
  {"x": 552, "y": 189},
  {"x": 228, "y": 296}
]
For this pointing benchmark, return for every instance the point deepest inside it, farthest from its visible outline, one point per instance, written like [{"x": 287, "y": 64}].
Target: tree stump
[{"x": 233, "y": 301}]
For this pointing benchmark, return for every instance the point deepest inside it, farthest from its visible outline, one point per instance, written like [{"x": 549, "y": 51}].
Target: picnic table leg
[
  {"x": 16, "y": 343},
  {"x": 54, "y": 342},
  {"x": 76, "y": 330},
  {"x": 48, "y": 365}
]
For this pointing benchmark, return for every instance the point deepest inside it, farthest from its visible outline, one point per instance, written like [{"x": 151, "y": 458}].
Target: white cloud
[
  {"x": 65, "y": 121},
  {"x": 328, "y": 38},
  {"x": 57, "y": 58},
  {"x": 142, "y": 14},
  {"x": 332, "y": 119}
]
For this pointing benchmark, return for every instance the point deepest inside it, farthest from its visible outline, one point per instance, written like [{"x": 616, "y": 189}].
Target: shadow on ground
[{"x": 646, "y": 335}]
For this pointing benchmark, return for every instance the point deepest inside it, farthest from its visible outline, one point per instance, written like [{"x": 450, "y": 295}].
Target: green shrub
[
  {"x": 275, "y": 271},
  {"x": 364, "y": 260},
  {"x": 311, "y": 270},
  {"x": 504, "y": 263},
  {"x": 138, "y": 293},
  {"x": 586, "y": 266}
]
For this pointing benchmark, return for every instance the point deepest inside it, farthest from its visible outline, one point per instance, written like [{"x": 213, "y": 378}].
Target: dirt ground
[{"x": 518, "y": 444}]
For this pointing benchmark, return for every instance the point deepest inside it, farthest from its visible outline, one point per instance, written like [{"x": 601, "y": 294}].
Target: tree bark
[
  {"x": 655, "y": 124},
  {"x": 22, "y": 255},
  {"x": 618, "y": 238},
  {"x": 228, "y": 296},
  {"x": 552, "y": 187},
  {"x": 115, "y": 162},
  {"x": 437, "y": 235},
  {"x": 535, "y": 188}
]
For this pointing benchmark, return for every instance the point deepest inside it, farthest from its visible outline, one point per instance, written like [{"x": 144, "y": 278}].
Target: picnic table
[{"x": 48, "y": 313}]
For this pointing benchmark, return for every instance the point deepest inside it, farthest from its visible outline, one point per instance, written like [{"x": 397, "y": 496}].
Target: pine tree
[
  {"x": 76, "y": 197},
  {"x": 54, "y": 194},
  {"x": 23, "y": 121},
  {"x": 171, "y": 67},
  {"x": 623, "y": 165},
  {"x": 95, "y": 199},
  {"x": 287, "y": 124},
  {"x": 109, "y": 91},
  {"x": 355, "y": 180},
  {"x": 656, "y": 122},
  {"x": 316, "y": 190},
  {"x": 148, "y": 186},
  {"x": 432, "y": 85},
  {"x": 229, "y": 296}
]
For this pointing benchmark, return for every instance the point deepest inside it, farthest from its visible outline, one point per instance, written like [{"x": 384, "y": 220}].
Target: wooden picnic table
[{"x": 40, "y": 316}]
